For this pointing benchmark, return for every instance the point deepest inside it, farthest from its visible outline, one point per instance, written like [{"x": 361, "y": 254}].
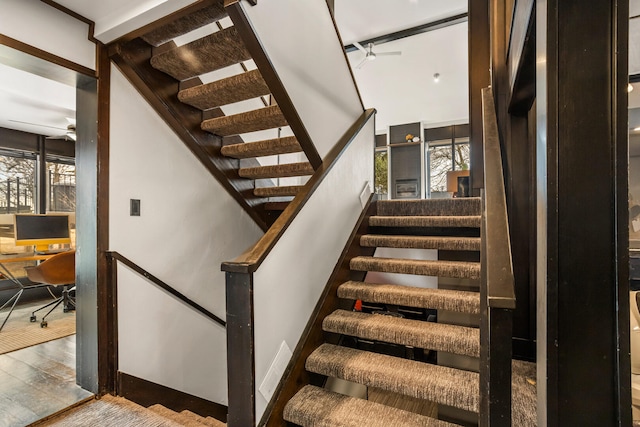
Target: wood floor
[{"x": 38, "y": 381}]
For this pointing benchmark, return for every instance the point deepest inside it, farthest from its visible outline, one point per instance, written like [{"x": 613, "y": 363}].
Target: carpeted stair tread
[
  {"x": 439, "y": 384},
  {"x": 421, "y": 242},
  {"x": 174, "y": 416},
  {"x": 316, "y": 407},
  {"x": 212, "y": 13},
  {"x": 395, "y": 330},
  {"x": 466, "y": 206},
  {"x": 213, "y": 52},
  {"x": 249, "y": 121},
  {"x": 277, "y": 171},
  {"x": 410, "y": 296},
  {"x": 266, "y": 147},
  {"x": 226, "y": 91},
  {"x": 208, "y": 421},
  {"x": 455, "y": 269},
  {"x": 283, "y": 191},
  {"x": 425, "y": 221}
]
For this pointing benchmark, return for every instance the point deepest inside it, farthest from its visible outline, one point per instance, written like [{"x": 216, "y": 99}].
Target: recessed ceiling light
[
  {"x": 629, "y": 87},
  {"x": 436, "y": 77}
]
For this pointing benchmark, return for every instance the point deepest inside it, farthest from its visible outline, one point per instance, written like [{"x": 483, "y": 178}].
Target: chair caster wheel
[
  {"x": 43, "y": 324},
  {"x": 32, "y": 319}
]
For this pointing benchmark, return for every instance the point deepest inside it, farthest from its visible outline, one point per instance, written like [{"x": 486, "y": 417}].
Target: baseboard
[{"x": 147, "y": 393}]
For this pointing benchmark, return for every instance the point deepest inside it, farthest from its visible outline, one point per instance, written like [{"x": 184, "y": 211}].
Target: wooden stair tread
[
  {"x": 213, "y": 52},
  {"x": 277, "y": 171},
  {"x": 249, "y": 121},
  {"x": 439, "y": 384},
  {"x": 425, "y": 221},
  {"x": 456, "y": 269},
  {"x": 396, "y": 330},
  {"x": 467, "y": 206},
  {"x": 281, "y": 191},
  {"x": 410, "y": 296},
  {"x": 315, "y": 406},
  {"x": 267, "y": 147},
  {"x": 226, "y": 91},
  {"x": 212, "y": 13},
  {"x": 421, "y": 242}
]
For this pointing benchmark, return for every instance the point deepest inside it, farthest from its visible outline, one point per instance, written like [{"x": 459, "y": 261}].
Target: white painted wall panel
[
  {"x": 42, "y": 26},
  {"x": 289, "y": 282},
  {"x": 301, "y": 41},
  {"x": 188, "y": 225}
]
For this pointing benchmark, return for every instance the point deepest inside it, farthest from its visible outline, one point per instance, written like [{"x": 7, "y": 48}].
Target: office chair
[{"x": 60, "y": 269}]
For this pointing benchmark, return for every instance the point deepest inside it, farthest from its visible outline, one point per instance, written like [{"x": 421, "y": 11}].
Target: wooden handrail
[
  {"x": 164, "y": 286},
  {"x": 499, "y": 268},
  {"x": 249, "y": 261}
]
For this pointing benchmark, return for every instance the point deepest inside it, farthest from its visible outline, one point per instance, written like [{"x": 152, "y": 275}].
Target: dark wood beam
[{"x": 430, "y": 26}]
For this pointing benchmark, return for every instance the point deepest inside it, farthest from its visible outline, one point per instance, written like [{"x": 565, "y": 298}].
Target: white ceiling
[{"x": 401, "y": 88}]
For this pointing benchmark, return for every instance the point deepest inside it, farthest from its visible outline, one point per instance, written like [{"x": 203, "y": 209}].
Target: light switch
[{"x": 134, "y": 207}]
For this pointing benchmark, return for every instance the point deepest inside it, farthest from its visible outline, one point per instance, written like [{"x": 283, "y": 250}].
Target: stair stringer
[
  {"x": 296, "y": 375},
  {"x": 159, "y": 89}
]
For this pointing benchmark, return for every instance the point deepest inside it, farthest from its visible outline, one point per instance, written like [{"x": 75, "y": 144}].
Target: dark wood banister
[
  {"x": 249, "y": 261},
  {"x": 500, "y": 284},
  {"x": 497, "y": 294},
  {"x": 164, "y": 286}
]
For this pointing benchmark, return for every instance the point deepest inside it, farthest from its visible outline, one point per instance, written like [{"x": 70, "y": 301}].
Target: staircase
[
  {"x": 378, "y": 346},
  {"x": 218, "y": 79},
  {"x": 117, "y": 411}
]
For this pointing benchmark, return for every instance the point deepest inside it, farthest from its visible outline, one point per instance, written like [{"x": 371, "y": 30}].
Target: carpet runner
[{"x": 450, "y": 225}]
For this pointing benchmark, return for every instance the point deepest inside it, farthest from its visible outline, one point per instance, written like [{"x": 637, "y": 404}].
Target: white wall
[
  {"x": 289, "y": 282},
  {"x": 301, "y": 41},
  {"x": 40, "y": 25},
  {"x": 188, "y": 225}
]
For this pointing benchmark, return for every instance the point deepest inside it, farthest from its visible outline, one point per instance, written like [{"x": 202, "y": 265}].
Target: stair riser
[{"x": 461, "y": 206}]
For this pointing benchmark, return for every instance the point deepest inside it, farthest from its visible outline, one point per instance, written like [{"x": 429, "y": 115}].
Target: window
[
  {"x": 381, "y": 173},
  {"x": 447, "y": 149}
]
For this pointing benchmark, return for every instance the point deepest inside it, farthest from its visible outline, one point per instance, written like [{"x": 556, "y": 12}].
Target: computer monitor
[{"x": 41, "y": 230}]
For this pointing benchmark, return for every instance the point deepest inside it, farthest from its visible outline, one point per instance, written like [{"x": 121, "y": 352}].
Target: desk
[{"x": 22, "y": 288}]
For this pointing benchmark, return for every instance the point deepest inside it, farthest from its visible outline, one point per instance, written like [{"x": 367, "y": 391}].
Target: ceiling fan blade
[
  {"x": 396, "y": 53},
  {"x": 359, "y": 46},
  {"x": 36, "y": 124},
  {"x": 362, "y": 63}
]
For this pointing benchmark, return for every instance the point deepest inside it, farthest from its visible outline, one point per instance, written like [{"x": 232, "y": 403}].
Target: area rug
[{"x": 19, "y": 332}]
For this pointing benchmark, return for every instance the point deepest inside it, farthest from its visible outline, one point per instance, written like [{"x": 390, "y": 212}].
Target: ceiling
[{"x": 401, "y": 88}]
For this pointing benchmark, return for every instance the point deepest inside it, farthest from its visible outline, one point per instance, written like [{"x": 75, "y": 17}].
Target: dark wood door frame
[
  {"x": 96, "y": 317},
  {"x": 582, "y": 173}
]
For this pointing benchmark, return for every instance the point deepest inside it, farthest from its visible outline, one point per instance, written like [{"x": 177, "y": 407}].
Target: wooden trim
[
  {"x": 147, "y": 393},
  {"x": 107, "y": 301},
  {"x": 39, "y": 53},
  {"x": 497, "y": 245},
  {"x": 164, "y": 286},
  {"x": 271, "y": 77},
  {"x": 63, "y": 9},
  {"x": 424, "y": 28},
  {"x": 296, "y": 375},
  {"x": 159, "y": 89},
  {"x": 346, "y": 59},
  {"x": 249, "y": 261},
  {"x": 241, "y": 377}
]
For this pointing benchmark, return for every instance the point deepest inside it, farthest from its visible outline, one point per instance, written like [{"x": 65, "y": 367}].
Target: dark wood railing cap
[
  {"x": 249, "y": 261},
  {"x": 499, "y": 268}
]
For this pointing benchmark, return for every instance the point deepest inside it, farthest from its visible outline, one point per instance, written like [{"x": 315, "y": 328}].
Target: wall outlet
[
  {"x": 275, "y": 372},
  {"x": 364, "y": 194}
]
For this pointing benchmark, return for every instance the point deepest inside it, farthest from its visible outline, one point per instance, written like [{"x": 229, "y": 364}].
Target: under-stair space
[
  {"x": 218, "y": 79},
  {"x": 396, "y": 336}
]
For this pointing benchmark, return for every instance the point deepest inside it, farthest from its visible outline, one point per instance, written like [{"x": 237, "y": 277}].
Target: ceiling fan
[
  {"x": 70, "y": 133},
  {"x": 370, "y": 55}
]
